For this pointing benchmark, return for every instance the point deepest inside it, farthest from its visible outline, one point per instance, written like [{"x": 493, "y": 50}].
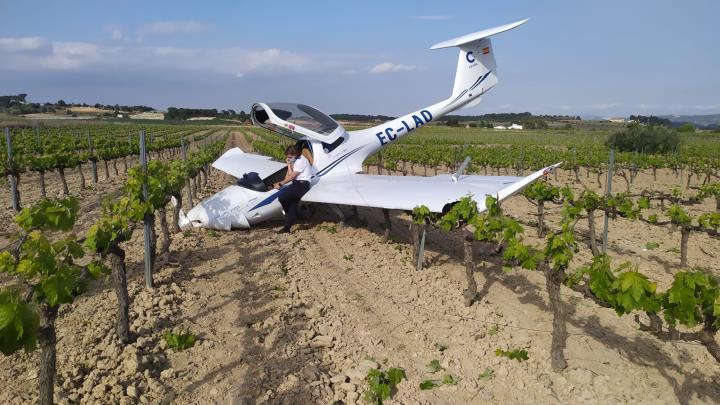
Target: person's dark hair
[{"x": 292, "y": 150}]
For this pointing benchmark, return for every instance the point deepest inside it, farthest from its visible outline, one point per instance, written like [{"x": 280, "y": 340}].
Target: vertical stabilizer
[{"x": 476, "y": 68}]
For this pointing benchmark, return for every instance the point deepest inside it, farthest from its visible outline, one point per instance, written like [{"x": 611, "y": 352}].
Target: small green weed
[
  {"x": 448, "y": 379},
  {"x": 515, "y": 354},
  {"x": 434, "y": 366},
  {"x": 381, "y": 384},
  {"x": 327, "y": 228},
  {"x": 487, "y": 375},
  {"x": 179, "y": 341}
]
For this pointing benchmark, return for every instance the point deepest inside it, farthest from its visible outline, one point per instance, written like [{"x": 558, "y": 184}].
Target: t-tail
[{"x": 476, "y": 74}]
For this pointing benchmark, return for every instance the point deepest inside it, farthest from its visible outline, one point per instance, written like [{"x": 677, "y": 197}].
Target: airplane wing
[
  {"x": 407, "y": 192},
  {"x": 235, "y": 162}
]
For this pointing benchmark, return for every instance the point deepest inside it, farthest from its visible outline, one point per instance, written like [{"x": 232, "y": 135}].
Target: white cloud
[
  {"x": 37, "y": 54},
  {"x": 431, "y": 17},
  {"x": 171, "y": 28},
  {"x": 23, "y": 45},
  {"x": 115, "y": 31},
  {"x": 604, "y": 106},
  {"x": 705, "y": 107},
  {"x": 116, "y": 34},
  {"x": 68, "y": 55},
  {"x": 34, "y": 53},
  {"x": 272, "y": 59},
  {"x": 564, "y": 107},
  {"x": 388, "y": 67}
]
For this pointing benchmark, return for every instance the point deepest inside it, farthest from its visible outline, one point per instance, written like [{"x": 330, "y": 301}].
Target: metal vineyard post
[
  {"x": 147, "y": 219},
  {"x": 608, "y": 190},
  {"x": 13, "y": 175}
]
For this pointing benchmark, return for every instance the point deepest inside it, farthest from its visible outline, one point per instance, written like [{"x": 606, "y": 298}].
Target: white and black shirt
[{"x": 303, "y": 166}]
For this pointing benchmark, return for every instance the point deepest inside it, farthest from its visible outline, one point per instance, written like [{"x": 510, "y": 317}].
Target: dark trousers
[{"x": 289, "y": 198}]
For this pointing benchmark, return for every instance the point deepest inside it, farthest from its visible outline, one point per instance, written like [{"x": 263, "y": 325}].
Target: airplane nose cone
[
  {"x": 196, "y": 217},
  {"x": 222, "y": 211},
  {"x": 184, "y": 223}
]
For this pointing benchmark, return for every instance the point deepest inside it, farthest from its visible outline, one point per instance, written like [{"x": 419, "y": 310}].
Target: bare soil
[{"x": 300, "y": 318}]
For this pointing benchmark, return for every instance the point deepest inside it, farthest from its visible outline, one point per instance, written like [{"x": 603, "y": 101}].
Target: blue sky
[{"x": 600, "y": 58}]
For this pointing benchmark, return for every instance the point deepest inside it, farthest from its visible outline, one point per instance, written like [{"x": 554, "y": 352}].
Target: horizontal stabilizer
[{"x": 475, "y": 36}]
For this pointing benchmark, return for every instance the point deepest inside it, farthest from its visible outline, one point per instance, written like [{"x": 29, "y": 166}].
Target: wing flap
[{"x": 235, "y": 162}]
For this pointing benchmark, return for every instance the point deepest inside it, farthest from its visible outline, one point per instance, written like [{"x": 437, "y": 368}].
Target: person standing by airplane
[{"x": 299, "y": 173}]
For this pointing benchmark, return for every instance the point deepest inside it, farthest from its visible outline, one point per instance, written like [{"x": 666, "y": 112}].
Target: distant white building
[
  {"x": 515, "y": 126},
  {"x": 617, "y": 120},
  {"x": 499, "y": 127},
  {"x": 150, "y": 115}
]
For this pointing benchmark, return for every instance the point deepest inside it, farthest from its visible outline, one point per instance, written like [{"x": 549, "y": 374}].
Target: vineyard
[
  {"x": 528, "y": 301},
  {"x": 37, "y": 151}
]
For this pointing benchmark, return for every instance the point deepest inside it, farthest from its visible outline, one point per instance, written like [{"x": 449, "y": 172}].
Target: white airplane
[{"x": 337, "y": 155}]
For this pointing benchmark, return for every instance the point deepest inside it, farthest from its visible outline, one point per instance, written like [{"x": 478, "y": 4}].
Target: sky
[{"x": 591, "y": 58}]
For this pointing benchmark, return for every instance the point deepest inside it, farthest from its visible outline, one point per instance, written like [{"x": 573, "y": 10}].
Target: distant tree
[
  {"x": 174, "y": 113},
  {"x": 647, "y": 139},
  {"x": 686, "y": 127},
  {"x": 61, "y": 103},
  {"x": 534, "y": 123},
  {"x": 453, "y": 122},
  {"x": 651, "y": 120}
]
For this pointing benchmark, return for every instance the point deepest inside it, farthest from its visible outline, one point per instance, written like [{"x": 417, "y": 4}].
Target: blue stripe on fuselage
[
  {"x": 336, "y": 162},
  {"x": 269, "y": 199}
]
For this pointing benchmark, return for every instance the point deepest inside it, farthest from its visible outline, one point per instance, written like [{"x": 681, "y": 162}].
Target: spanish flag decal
[{"x": 486, "y": 50}]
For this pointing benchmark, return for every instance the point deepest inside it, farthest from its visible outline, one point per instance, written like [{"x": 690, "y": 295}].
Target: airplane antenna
[{"x": 461, "y": 169}]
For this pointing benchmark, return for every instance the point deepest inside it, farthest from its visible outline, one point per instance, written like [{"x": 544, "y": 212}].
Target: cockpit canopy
[{"x": 296, "y": 121}]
